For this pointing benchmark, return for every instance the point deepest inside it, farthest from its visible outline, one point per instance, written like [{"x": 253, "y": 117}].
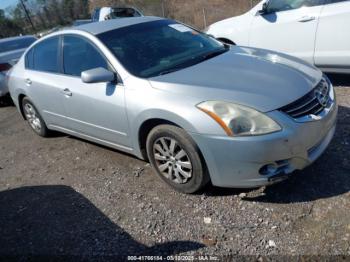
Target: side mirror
[
  {"x": 97, "y": 75},
  {"x": 264, "y": 9}
]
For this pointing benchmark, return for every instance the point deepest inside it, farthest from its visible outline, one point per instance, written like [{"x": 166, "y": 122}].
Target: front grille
[{"x": 312, "y": 103}]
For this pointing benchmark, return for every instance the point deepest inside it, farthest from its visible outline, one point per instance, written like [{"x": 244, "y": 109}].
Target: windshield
[
  {"x": 159, "y": 47},
  {"x": 16, "y": 44}
]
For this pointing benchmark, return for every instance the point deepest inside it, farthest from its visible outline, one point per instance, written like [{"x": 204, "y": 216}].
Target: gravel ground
[{"x": 64, "y": 196}]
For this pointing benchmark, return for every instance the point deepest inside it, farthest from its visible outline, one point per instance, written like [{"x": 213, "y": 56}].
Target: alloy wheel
[
  {"x": 172, "y": 160},
  {"x": 32, "y": 117}
]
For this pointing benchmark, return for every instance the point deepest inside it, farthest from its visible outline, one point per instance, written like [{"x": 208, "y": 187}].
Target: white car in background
[{"x": 317, "y": 31}]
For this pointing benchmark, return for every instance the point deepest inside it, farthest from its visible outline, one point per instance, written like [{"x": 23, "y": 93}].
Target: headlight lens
[{"x": 238, "y": 120}]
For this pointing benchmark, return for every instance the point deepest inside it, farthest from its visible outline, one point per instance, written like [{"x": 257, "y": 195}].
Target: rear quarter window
[
  {"x": 44, "y": 56},
  {"x": 29, "y": 59}
]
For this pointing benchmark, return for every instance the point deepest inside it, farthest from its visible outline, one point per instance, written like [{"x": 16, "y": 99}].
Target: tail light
[{"x": 5, "y": 67}]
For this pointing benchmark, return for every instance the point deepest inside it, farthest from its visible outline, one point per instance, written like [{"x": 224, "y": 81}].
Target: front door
[
  {"x": 93, "y": 110},
  {"x": 288, "y": 26}
]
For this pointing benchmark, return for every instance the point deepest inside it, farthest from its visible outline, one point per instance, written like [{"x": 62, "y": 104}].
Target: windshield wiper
[
  {"x": 173, "y": 69},
  {"x": 194, "y": 60},
  {"x": 213, "y": 54},
  {"x": 169, "y": 71}
]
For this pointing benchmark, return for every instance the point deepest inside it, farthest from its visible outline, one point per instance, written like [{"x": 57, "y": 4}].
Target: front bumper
[
  {"x": 241, "y": 161},
  {"x": 3, "y": 86}
]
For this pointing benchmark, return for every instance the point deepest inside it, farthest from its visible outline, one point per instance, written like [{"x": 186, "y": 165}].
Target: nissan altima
[{"x": 198, "y": 110}]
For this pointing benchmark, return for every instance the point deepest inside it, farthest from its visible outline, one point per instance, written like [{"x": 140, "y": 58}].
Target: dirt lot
[{"x": 65, "y": 196}]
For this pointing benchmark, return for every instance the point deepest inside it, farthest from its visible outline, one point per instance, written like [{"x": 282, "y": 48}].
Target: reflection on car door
[
  {"x": 41, "y": 76},
  {"x": 93, "y": 110},
  {"x": 290, "y": 28},
  {"x": 333, "y": 35}
]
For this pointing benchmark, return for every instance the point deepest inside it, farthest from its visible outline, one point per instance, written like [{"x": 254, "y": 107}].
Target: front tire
[
  {"x": 34, "y": 119},
  {"x": 176, "y": 159}
]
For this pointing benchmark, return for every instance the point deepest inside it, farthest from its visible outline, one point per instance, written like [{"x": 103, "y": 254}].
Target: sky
[{"x": 7, "y": 3}]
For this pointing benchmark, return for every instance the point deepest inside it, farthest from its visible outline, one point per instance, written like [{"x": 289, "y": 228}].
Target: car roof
[
  {"x": 105, "y": 26},
  {"x": 3, "y": 40}
]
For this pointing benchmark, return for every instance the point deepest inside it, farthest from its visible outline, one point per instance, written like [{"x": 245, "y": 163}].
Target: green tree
[
  {"x": 68, "y": 9},
  {"x": 8, "y": 27},
  {"x": 44, "y": 14}
]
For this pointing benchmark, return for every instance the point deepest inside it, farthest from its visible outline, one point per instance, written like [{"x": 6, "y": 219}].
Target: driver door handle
[
  {"x": 306, "y": 18},
  {"x": 67, "y": 92}
]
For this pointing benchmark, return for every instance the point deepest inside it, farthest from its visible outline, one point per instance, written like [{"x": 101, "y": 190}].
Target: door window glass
[
  {"x": 285, "y": 5},
  {"x": 45, "y": 56},
  {"x": 80, "y": 55}
]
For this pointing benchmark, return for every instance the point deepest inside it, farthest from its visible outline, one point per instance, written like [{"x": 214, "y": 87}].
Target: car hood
[
  {"x": 257, "y": 78},
  {"x": 12, "y": 56}
]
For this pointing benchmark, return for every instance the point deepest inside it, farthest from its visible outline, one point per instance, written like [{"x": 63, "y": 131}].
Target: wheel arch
[
  {"x": 144, "y": 130},
  {"x": 20, "y": 99},
  {"x": 147, "y": 126}
]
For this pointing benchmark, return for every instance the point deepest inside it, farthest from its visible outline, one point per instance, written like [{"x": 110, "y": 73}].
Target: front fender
[
  {"x": 143, "y": 102},
  {"x": 156, "y": 114}
]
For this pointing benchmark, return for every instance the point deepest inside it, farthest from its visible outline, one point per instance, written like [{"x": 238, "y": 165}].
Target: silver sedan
[{"x": 197, "y": 109}]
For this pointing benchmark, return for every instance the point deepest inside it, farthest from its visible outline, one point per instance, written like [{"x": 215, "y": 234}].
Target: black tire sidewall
[
  {"x": 199, "y": 174},
  {"x": 44, "y": 132}
]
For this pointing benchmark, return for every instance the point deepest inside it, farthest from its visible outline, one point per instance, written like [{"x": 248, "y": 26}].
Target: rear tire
[
  {"x": 176, "y": 159},
  {"x": 34, "y": 119}
]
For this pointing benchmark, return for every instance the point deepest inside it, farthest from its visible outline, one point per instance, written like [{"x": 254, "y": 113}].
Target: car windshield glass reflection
[{"x": 160, "y": 47}]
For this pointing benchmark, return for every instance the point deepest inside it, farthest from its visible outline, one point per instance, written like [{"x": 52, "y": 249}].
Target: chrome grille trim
[
  {"x": 312, "y": 104},
  {"x": 302, "y": 106}
]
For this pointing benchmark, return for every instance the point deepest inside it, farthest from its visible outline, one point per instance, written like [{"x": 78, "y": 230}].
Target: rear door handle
[
  {"x": 67, "y": 92},
  {"x": 306, "y": 18},
  {"x": 28, "y": 82}
]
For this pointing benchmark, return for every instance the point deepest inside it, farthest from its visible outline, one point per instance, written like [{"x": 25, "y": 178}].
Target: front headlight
[{"x": 238, "y": 120}]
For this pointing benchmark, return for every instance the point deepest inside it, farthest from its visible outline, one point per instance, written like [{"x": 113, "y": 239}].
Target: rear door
[
  {"x": 333, "y": 35},
  {"x": 42, "y": 77},
  {"x": 289, "y": 26}
]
